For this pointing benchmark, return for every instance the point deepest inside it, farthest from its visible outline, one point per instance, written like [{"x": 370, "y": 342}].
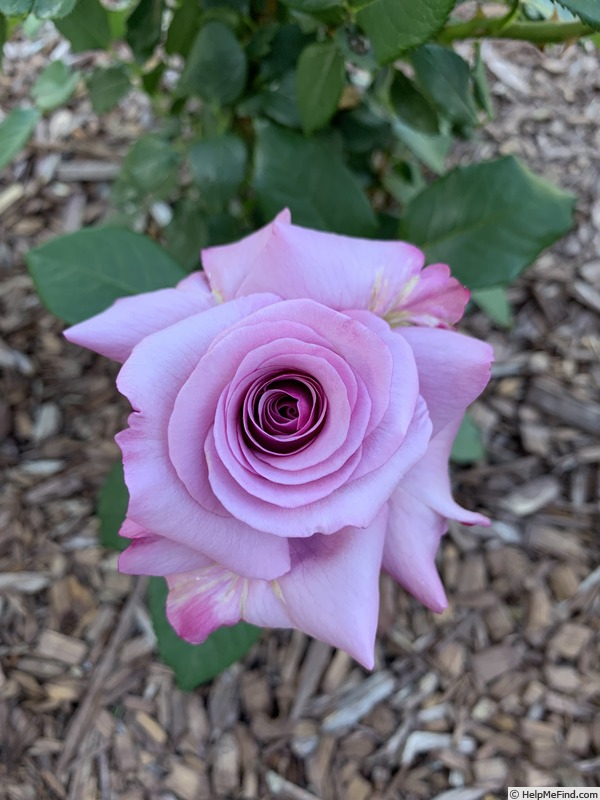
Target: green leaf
[
  {"x": 186, "y": 234},
  {"x": 112, "y": 508},
  {"x": 481, "y": 89},
  {"x": 403, "y": 181},
  {"x": 286, "y": 45},
  {"x": 431, "y": 149},
  {"x": 488, "y": 221},
  {"x": 224, "y": 229},
  {"x": 412, "y": 107},
  {"x": 87, "y": 27},
  {"x": 364, "y": 131},
  {"x": 151, "y": 79},
  {"x": 320, "y": 80},
  {"x": 52, "y": 9},
  {"x": 394, "y": 26},
  {"x": 219, "y": 167},
  {"x": 15, "y": 132},
  {"x": 54, "y": 86},
  {"x": 82, "y": 273},
  {"x": 216, "y": 66},
  {"x": 144, "y": 28},
  {"x": 151, "y": 167},
  {"x": 44, "y": 9},
  {"x": 183, "y": 28},
  {"x": 196, "y": 664},
  {"x": 280, "y": 101},
  {"x": 330, "y": 12},
  {"x": 467, "y": 446},
  {"x": 312, "y": 6},
  {"x": 446, "y": 78},
  {"x": 2, "y": 37},
  {"x": 587, "y": 10},
  {"x": 15, "y": 8},
  {"x": 309, "y": 177},
  {"x": 117, "y": 22},
  {"x": 108, "y": 85},
  {"x": 494, "y": 302}
]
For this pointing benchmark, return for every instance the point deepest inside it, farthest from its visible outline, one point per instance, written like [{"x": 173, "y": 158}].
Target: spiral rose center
[{"x": 283, "y": 413}]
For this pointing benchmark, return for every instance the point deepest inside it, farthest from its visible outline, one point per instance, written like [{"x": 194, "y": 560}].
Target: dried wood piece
[
  {"x": 336, "y": 672},
  {"x": 539, "y": 615},
  {"x": 224, "y": 701},
  {"x": 420, "y": 742},
  {"x": 359, "y": 701},
  {"x": 318, "y": 767},
  {"x": 186, "y": 783},
  {"x": 280, "y": 787},
  {"x": 315, "y": 663},
  {"x": 555, "y": 542},
  {"x": 151, "y": 728},
  {"x": 489, "y": 664},
  {"x": 532, "y": 496},
  {"x": 451, "y": 659},
  {"x": 59, "y": 647},
  {"x": 25, "y": 582},
  {"x": 491, "y": 772},
  {"x": 80, "y": 721},
  {"x": 578, "y": 739},
  {"x": 79, "y": 170},
  {"x": 570, "y": 639},
  {"x": 499, "y": 622},
  {"x": 562, "y": 678},
  {"x": 563, "y": 581},
  {"x": 226, "y": 767},
  {"x": 358, "y": 789},
  {"x": 549, "y": 395}
]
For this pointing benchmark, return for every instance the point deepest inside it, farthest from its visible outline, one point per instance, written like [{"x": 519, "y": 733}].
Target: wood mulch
[{"x": 502, "y": 689}]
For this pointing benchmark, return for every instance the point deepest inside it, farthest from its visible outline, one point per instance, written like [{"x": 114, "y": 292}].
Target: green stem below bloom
[{"x": 539, "y": 33}]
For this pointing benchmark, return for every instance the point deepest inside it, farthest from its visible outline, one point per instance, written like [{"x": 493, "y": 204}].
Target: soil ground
[{"x": 502, "y": 689}]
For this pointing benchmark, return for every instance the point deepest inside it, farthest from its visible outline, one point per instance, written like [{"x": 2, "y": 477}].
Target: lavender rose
[{"x": 294, "y": 409}]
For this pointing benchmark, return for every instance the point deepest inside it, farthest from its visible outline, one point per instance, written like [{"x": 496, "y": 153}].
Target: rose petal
[
  {"x": 453, "y": 370},
  {"x": 115, "y": 332},
  {"x": 227, "y": 265},
  {"x": 419, "y": 509},
  {"x": 154, "y": 555},
  {"x": 413, "y": 536},
  {"x": 434, "y": 299},
  {"x": 429, "y": 480},
  {"x": 294, "y": 262},
  {"x": 331, "y": 593}
]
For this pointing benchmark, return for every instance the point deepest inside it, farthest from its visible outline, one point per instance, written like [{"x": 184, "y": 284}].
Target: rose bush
[{"x": 294, "y": 409}]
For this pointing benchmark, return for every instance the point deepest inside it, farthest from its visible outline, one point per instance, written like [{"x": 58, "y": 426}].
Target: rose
[{"x": 287, "y": 443}]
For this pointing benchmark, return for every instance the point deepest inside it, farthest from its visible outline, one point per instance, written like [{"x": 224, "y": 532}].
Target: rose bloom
[{"x": 294, "y": 406}]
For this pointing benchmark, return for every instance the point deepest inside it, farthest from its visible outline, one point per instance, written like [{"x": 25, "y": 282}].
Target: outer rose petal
[
  {"x": 154, "y": 555},
  {"x": 419, "y": 509},
  {"x": 429, "y": 480},
  {"x": 228, "y": 265},
  {"x": 115, "y": 332},
  {"x": 338, "y": 271},
  {"x": 331, "y": 593},
  {"x": 412, "y": 540},
  {"x": 453, "y": 370},
  {"x": 294, "y": 262},
  {"x": 433, "y": 299}
]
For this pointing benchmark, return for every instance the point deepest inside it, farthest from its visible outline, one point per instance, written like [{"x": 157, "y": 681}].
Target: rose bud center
[{"x": 282, "y": 413}]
